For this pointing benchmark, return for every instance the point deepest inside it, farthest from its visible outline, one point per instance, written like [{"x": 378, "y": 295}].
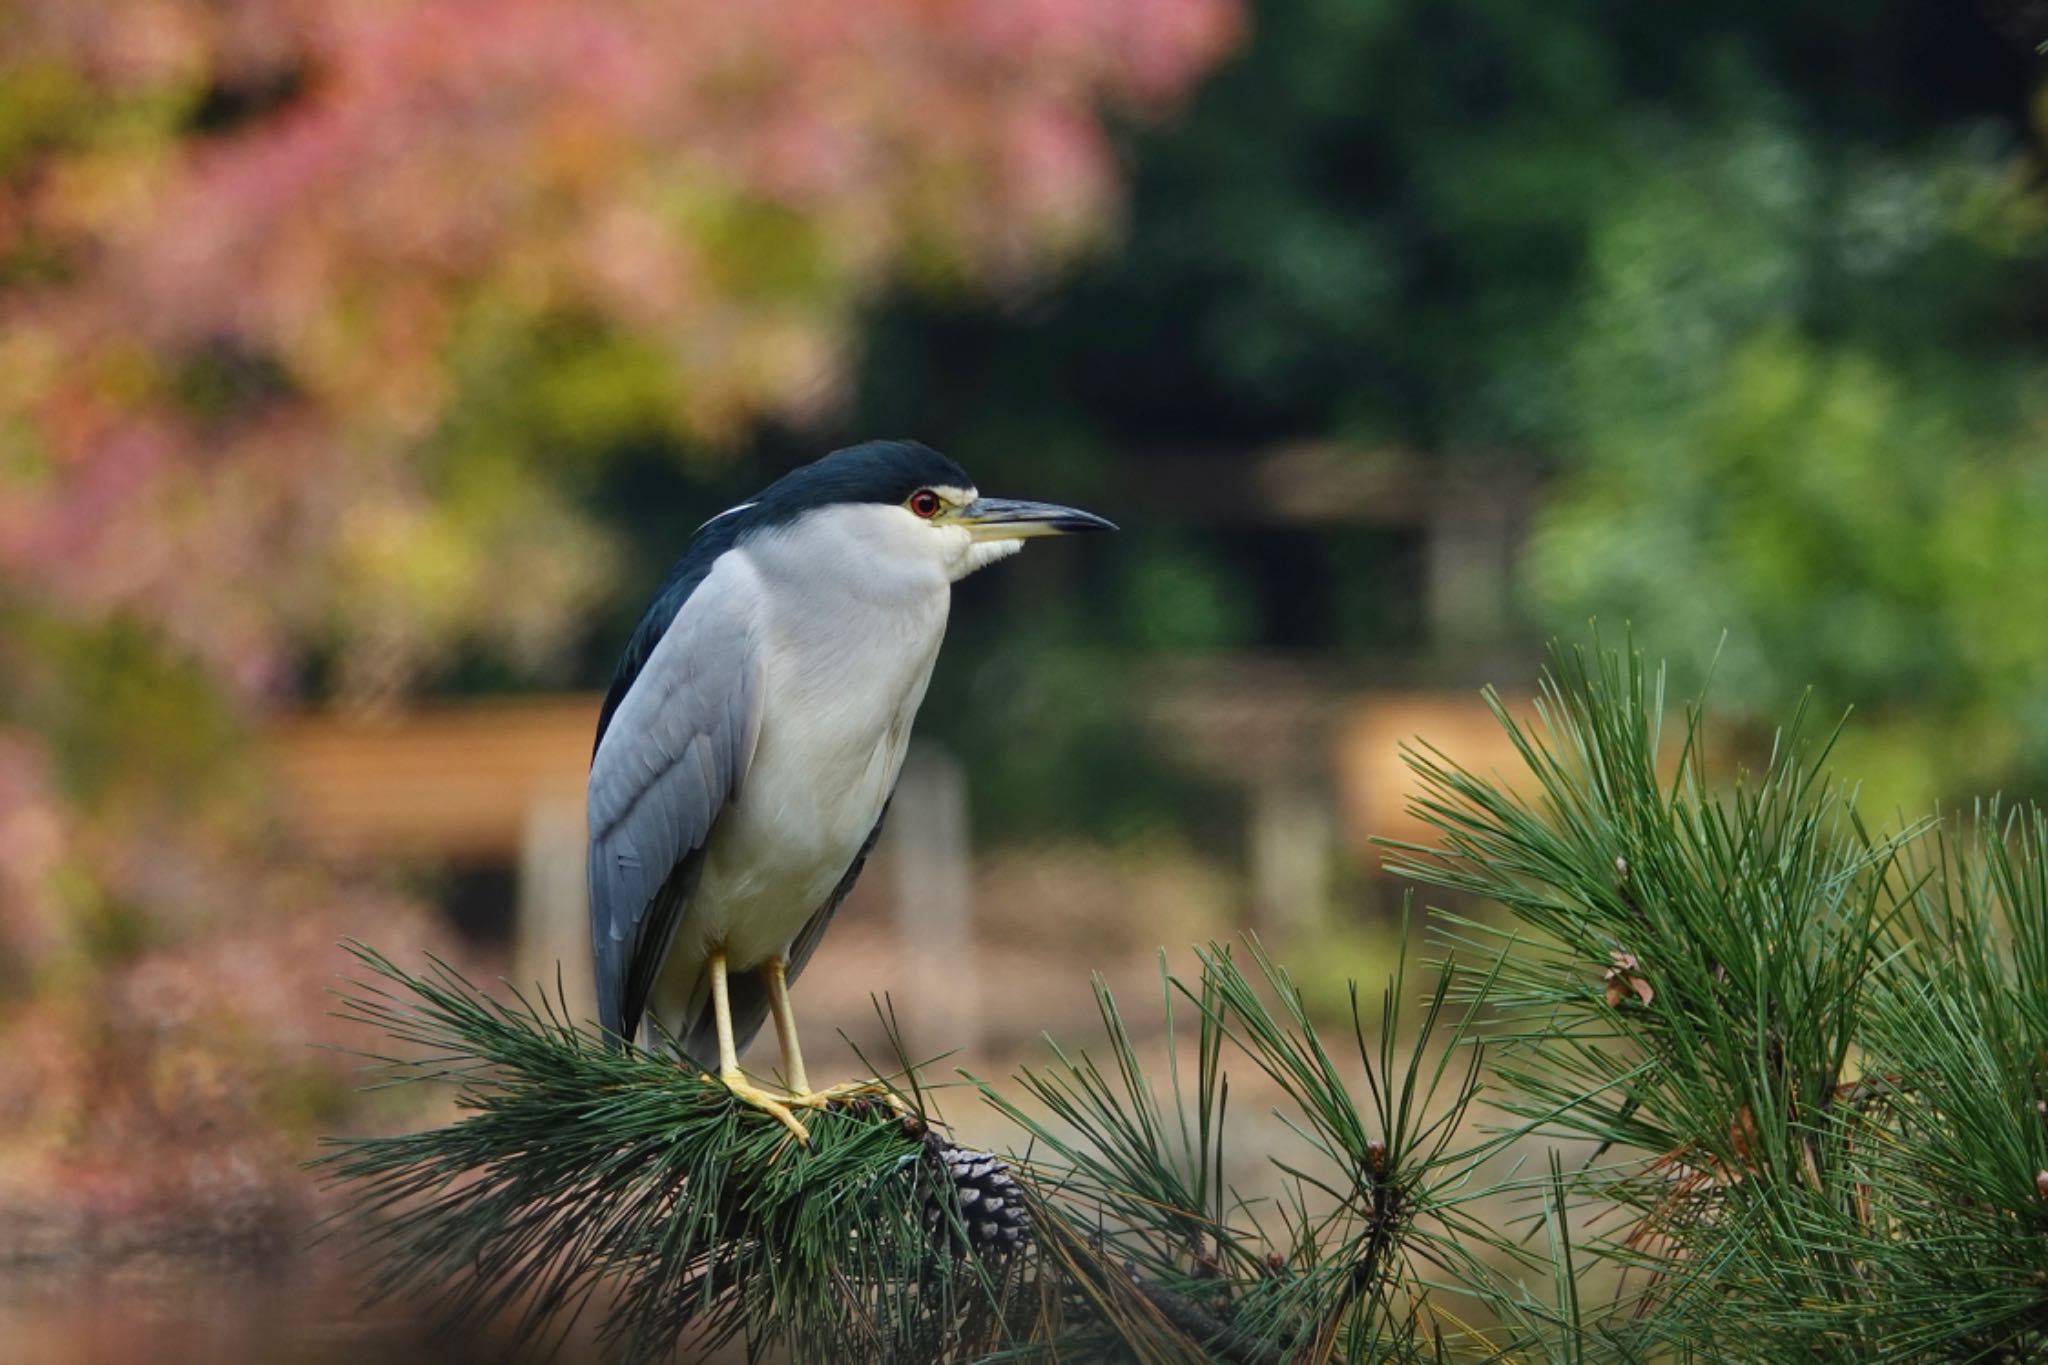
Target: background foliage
[
  {"x": 1760, "y": 292},
  {"x": 354, "y": 351},
  {"x": 317, "y": 325}
]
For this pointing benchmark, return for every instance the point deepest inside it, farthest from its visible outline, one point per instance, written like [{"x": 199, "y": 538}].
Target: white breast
[{"x": 848, "y": 639}]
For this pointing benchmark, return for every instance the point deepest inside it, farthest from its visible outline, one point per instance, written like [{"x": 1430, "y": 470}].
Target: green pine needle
[
  {"x": 1786, "y": 1078},
  {"x": 578, "y": 1171}
]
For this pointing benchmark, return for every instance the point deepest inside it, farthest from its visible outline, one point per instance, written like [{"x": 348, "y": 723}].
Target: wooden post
[
  {"x": 939, "y": 998},
  {"x": 553, "y": 928},
  {"x": 1470, "y": 576},
  {"x": 1293, "y": 840}
]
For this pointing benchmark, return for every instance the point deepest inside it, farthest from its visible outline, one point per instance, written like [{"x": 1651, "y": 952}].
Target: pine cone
[{"x": 991, "y": 1205}]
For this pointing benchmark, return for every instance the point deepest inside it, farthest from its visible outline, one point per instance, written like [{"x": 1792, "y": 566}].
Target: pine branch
[
  {"x": 1804, "y": 1065},
  {"x": 1814, "y": 1051},
  {"x": 578, "y": 1175},
  {"x": 578, "y": 1171},
  {"x": 1364, "y": 1226}
]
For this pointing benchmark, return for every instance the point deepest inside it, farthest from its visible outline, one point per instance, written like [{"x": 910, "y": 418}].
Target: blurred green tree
[
  {"x": 1762, "y": 289},
  {"x": 1380, "y": 221},
  {"x": 1820, "y": 430}
]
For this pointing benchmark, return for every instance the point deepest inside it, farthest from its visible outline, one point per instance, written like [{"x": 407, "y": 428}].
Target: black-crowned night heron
[{"x": 754, "y": 732}]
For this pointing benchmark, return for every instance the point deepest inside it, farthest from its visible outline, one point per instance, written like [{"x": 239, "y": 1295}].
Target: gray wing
[
  {"x": 671, "y": 759},
  {"x": 748, "y": 994}
]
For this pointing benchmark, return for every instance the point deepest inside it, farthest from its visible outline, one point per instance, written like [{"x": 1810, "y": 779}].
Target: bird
[{"x": 752, "y": 737}]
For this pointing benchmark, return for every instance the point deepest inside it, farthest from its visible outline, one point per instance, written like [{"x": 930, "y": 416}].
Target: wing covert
[{"x": 671, "y": 757}]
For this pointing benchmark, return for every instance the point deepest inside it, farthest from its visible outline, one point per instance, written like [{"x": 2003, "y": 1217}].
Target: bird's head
[{"x": 905, "y": 504}]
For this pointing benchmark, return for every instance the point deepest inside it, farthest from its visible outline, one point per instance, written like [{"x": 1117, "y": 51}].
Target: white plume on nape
[{"x": 723, "y": 515}]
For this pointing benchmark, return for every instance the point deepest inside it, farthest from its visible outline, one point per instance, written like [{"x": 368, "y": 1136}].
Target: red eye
[{"x": 925, "y": 503}]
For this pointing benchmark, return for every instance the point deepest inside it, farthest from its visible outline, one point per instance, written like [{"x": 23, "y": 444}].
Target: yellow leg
[
  {"x": 776, "y": 976},
  {"x": 729, "y": 1073}
]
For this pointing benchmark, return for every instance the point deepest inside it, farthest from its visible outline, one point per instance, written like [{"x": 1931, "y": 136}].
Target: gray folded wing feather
[{"x": 671, "y": 759}]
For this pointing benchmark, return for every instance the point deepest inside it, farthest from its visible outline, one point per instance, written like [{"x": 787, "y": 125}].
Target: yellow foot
[
  {"x": 767, "y": 1101},
  {"x": 852, "y": 1090}
]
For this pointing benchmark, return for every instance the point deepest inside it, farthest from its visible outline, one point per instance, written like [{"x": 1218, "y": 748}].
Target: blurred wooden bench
[
  {"x": 447, "y": 780},
  {"x": 501, "y": 783},
  {"x": 1373, "y": 781},
  {"x": 462, "y": 780}
]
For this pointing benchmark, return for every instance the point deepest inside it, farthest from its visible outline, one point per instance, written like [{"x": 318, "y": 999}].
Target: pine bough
[{"x": 1706, "y": 1069}]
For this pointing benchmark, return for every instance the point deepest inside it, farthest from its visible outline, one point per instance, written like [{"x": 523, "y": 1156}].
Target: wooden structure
[
  {"x": 1473, "y": 520},
  {"x": 501, "y": 781},
  {"x": 446, "y": 780}
]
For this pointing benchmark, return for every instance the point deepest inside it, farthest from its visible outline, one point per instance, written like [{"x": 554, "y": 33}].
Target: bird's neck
[
  {"x": 850, "y": 561},
  {"x": 847, "y": 625}
]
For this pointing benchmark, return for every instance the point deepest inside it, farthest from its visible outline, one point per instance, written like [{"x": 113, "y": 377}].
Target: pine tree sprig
[
  {"x": 1363, "y": 1233},
  {"x": 577, "y": 1176},
  {"x": 577, "y": 1172},
  {"x": 1804, "y": 1054},
  {"x": 1791, "y": 1071}
]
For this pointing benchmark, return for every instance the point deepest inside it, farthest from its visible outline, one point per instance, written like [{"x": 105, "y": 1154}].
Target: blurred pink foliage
[
  {"x": 31, "y": 842},
  {"x": 184, "y": 1084},
  {"x": 723, "y": 184},
  {"x": 261, "y": 265}
]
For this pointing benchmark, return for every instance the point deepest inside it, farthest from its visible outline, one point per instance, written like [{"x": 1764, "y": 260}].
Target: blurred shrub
[
  {"x": 1807, "y": 396},
  {"x": 1048, "y": 718},
  {"x": 338, "y": 301},
  {"x": 1764, "y": 284},
  {"x": 1177, "y": 598}
]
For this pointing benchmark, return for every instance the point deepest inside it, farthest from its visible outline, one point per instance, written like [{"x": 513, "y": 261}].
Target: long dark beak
[{"x": 1013, "y": 519}]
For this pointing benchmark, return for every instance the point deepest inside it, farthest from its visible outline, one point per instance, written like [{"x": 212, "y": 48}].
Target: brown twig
[{"x": 1199, "y": 1324}]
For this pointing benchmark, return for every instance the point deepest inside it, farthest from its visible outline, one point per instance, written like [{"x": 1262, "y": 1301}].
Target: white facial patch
[
  {"x": 963, "y": 554},
  {"x": 982, "y": 553}
]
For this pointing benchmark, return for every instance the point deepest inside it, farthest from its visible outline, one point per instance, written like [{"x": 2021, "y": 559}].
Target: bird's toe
[
  {"x": 768, "y": 1102},
  {"x": 851, "y": 1094}
]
